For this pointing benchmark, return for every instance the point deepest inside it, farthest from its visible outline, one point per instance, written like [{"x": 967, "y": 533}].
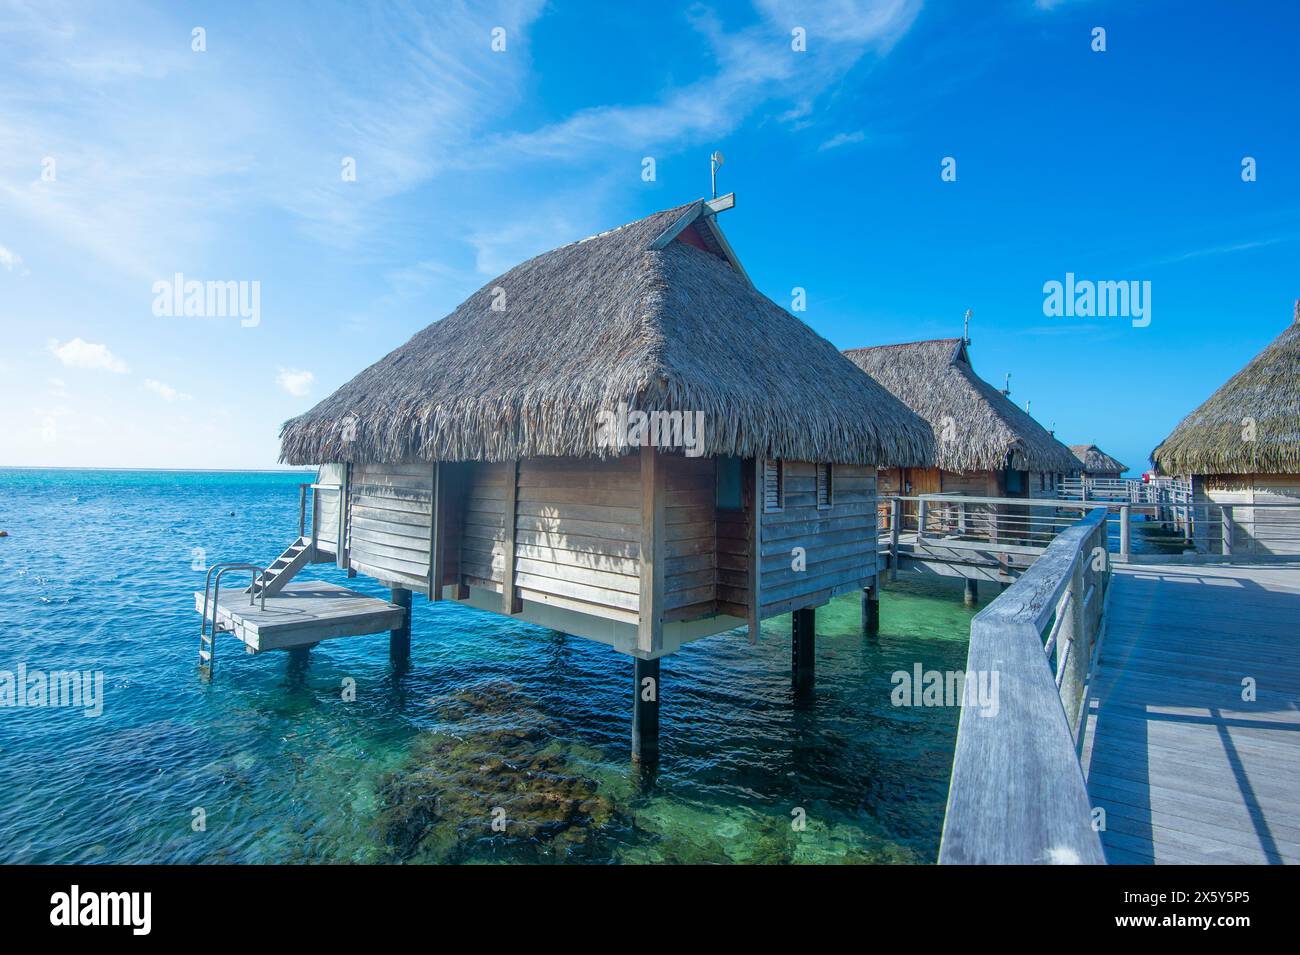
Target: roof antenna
[
  {"x": 965, "y": 328},
  {"x": 1027, "y": 407},
  {"x": 1006, "y": 389},
  {"x": 715, "y": 163}
]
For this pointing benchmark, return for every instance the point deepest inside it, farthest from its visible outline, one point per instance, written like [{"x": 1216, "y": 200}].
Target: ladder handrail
[{"x": 220, "y": 568}]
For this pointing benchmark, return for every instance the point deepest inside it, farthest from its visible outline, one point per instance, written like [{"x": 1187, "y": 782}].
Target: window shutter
[
  {"x": 772, "y": 490},
  {"x": 823, "y": 486}
]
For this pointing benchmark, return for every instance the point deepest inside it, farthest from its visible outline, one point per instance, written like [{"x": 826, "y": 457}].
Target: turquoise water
[{"x": 96, "y": 574}]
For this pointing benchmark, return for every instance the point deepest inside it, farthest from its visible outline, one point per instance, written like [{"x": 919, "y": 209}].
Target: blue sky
[{"x": 225, "y": 165}]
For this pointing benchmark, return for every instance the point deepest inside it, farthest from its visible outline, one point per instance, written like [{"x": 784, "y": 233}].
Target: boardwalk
[{"x": 1186, "y": 770}]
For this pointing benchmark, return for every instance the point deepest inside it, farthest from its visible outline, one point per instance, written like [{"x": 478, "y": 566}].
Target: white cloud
[
  {"x": 80, "y": 353},
  {"x": 165, "y": 391},
  {"x": 9, "y": 259},
  {"x": 843, "y": 139},
  {"x": 297, "y": 383},
  {"x": 754, "y": 65}
]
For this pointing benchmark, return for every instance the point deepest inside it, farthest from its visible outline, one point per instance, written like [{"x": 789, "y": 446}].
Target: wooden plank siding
[
  {"x": 389, "y": 517},
  {"x": 1259, "y": 531},
  {"x": 576, "y": 537},
  {"x": 839, "y": 542},
  {"x": 691, "y": 534}
]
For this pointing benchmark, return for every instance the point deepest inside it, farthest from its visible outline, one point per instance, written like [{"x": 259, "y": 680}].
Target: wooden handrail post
[
  {"x": 895, "y": 519},
  {"x": 1124, "y": 531},
  {"x": 922, "y": 514},
  {"x": 302, "y": 510},
  {"x": 1228, "y": 525},
  {"x": 1073, "y": 640}
]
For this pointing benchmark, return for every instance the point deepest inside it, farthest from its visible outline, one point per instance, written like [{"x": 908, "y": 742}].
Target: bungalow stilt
[
  {"x": 803, "y": 649},
  {"x": 399, "y": 638},
  {"x": 645, "y": 710}
]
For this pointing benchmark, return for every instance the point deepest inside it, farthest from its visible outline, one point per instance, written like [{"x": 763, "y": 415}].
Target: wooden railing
[
  {"x": 1014, "y": 525},
  {"x": 1265, "y": 531},
  {"x": 1018, "y": 793}
]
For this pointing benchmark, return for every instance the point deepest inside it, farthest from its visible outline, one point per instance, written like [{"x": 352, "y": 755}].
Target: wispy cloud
[
  {"x": 842, "y": 139},
  {"x": 79, "y": 353},
  {"x": 166, "y": 391},
  {"x": 295, "y": 381},
  {"x": 754, "y": 65},
  {"x": 122, "y": 164},
  {"x": 1225, "y": 249},
  {"x": 9, "y": 260}
]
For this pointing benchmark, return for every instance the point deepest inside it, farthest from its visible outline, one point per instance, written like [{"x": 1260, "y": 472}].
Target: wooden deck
[
  {"x": 1186, "y": 770},
  {"x": 303, "y": 613}
]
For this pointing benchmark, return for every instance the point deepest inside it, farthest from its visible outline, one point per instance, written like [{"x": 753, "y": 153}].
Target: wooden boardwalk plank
[{"x": 1187, "y": 770}]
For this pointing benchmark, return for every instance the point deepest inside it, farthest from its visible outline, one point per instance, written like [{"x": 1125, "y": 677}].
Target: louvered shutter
[
  {"x": 823, "y": 486},
  {"x": 772, "y": 475}
]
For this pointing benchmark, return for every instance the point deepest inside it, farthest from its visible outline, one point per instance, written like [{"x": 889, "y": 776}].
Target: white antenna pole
[
  {"x": 1006, "y": 389},
  {"x": 715, "y": 163},
  {"x": 965, "y": 328}
]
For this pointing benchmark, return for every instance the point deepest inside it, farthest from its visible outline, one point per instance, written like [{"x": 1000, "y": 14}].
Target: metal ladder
[{"x": 208, "y": 639}]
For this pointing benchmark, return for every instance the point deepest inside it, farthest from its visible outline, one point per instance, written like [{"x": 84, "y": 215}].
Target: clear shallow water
[{"x": 96, "y": 575}]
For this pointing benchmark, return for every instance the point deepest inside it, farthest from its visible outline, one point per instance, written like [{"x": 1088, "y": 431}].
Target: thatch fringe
[
  {"x": 976, "y": 427},
  {"x": 1095, "y": 460},
  {"x": 605, "y": 322},
  {"x": 1251, "y": 425}
]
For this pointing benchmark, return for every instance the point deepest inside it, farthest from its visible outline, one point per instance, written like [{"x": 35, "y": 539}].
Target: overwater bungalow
[
  {"x": 1241, "y": 447},
  {"x": 1096, "y": 463},
  {"x": 985, "y": 446},
  {"x": 621, "y": 439}
]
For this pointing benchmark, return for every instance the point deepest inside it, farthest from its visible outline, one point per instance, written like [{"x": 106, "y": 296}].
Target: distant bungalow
[
  {"x": 620, "y": 439},
  {"x": 1097, "y": 463},
  {"x": 985, "y": 445},
  {"x": 1242, "y": 447}
]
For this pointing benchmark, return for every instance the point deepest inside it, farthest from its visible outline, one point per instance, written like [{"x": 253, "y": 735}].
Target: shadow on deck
[{"x": 1193, "y": 748}]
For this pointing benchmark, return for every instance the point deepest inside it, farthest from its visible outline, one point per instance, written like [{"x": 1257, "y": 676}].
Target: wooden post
[
  {"x": 1125, "y": 530},
  {"x": 650, "y": 609},
  {"x": 645, "y": 710},
  {"x": 871, "y": 606},
  {"x": 399, "y": 638},
  {"x": 1228, "y": 525},
  {"x": 756, "y": 552},
  {"x": 1074, "y": 633},
  {"x": 803, "y": 649},
  {"x": 971, "y": 597},
  {"x": 961, "y": 519},
  {"x": 302, "y": 510},
  {"x": 510, "y": 602},
  {"x": 922, "y": 516},
  {"x": 436, "y": 532},
  {"x": 341, "y": 539},
  {"x": 895, "y": 519}
]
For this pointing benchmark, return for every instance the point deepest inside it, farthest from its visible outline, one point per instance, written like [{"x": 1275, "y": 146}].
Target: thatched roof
[
  {"x": 605, "y": 321},
  {"x": 975, "y": 425},
  {"x": 1251, "y": 425},
  {"x": 1095, "y": 460}
]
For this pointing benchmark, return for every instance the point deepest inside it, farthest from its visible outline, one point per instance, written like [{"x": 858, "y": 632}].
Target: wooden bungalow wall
[
  {"x": 390, "y": 508},
  {"x": 1259, "y": 531},
  {"x": 572, "y": 530},
  {"x": 839, "y": 542}
]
